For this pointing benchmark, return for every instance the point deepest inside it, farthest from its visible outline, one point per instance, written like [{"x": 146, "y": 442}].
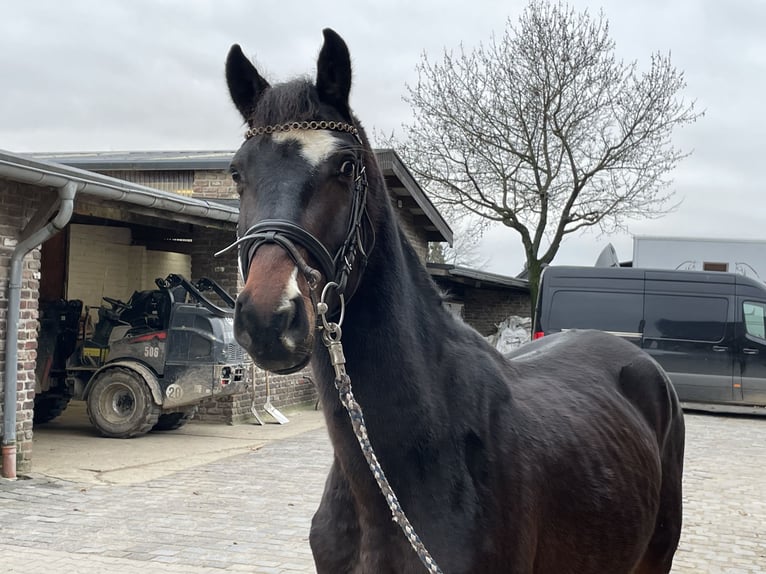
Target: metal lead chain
[{"x": 331, "y": 336}]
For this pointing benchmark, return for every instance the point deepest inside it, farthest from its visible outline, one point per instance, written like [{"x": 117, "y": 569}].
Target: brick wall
[
  {"x": 285, "y": 390},
  {"x": 484, "y": 308},
  {"x": 415, "y": 234},
  {"x": 17, "y": 205},
  {"x": 212, "y": 184},
  {"x": 223, "y": 269}
]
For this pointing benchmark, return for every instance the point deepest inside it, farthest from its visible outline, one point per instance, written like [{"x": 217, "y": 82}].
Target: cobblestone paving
[
  {"x": 724, "y": 496},
  {"x": 246, "y": 513},
  {"x": 251, "y": 512}
]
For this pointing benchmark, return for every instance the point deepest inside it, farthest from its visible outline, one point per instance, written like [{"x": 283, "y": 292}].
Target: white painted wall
[
  {"x": 160, "y": 263},
  {"x": 746, "y": 257},
  {"x": 102, "y": 261}
]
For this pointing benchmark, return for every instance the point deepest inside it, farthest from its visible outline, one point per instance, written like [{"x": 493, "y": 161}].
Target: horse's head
[{"x": 300, "y": 176}]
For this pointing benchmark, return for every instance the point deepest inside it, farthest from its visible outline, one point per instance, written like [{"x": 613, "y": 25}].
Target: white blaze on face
[
  {"x": 316, "y": 145},
  {"x": 286, "y": 304}
]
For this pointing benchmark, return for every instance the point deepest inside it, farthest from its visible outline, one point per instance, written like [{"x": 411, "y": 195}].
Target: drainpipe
[{"x": 66, "y": 195}]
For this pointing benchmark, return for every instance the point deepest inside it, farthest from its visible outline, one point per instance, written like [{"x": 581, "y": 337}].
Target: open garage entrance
[
  {"x": 120, "y": 326},
  {"x": 67, "y": 234},
  {"x": 93, "y": 258}
]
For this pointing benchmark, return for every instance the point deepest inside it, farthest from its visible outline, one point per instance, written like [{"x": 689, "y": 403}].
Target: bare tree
[
  {"x": 546, "y": 132},
  {"x": 465, "y": 249},
  {"x": 436, "y": 253}
]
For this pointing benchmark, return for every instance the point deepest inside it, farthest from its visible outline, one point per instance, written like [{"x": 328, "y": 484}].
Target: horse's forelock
[
  {"x": 293, "y": 101},
  {"x": 297, "y": 101}
]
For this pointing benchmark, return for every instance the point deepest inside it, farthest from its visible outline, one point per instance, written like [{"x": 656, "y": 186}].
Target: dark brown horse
[{"x": 567, "y": 458}]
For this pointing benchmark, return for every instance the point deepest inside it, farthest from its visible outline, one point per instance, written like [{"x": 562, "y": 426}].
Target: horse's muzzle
[{"x": 273, "y": 319}]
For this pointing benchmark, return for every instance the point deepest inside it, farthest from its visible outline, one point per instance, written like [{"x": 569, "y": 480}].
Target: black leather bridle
[{"x": 288, "y": 235}]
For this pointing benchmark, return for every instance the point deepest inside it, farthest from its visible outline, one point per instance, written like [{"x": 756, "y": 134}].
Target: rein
[{"x": 336, "y": 270}]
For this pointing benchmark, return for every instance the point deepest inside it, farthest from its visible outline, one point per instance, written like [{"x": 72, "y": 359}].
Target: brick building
[
  {"x": 53, "y": 218},
  {"x": 482, "y": 299}
]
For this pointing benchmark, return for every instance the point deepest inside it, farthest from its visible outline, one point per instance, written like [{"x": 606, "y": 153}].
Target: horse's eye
[
  {"x": 234, "y": 175},
  {"x": 347, "y": 168}
]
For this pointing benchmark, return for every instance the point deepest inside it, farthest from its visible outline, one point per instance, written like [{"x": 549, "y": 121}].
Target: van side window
[
  {"x": 686, "y": 318},
  {"x": 755, "y": 318},
  {"x": 605, "y": 311}
]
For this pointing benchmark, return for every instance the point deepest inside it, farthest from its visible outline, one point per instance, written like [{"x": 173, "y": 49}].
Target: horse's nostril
[{"x": 293, "y": 323}]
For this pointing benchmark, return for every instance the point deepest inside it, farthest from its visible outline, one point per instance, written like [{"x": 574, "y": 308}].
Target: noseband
[{"x": 288, "y": 235}]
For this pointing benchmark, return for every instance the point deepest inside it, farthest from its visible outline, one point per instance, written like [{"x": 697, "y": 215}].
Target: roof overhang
[
  {"x": 95, "y": 186},
  {"x": 475, "y": 278},
  {"x": 402, "y": 185}
]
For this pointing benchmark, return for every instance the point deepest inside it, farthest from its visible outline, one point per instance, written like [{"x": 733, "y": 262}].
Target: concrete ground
[
  {"x": 213, "y": 499},
  {"x": 69, "y": 448}
]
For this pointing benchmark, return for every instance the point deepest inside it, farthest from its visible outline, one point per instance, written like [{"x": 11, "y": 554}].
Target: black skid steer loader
[{"x": 148, "y": 363}]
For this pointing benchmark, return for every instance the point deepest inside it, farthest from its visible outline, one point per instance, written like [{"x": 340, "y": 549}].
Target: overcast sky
[{"x": 148, "y": 75}]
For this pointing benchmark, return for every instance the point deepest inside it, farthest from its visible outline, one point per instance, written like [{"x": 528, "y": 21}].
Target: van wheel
[
  {"x": 173, "y": 421},
  {"x": 120, "y": 404}
]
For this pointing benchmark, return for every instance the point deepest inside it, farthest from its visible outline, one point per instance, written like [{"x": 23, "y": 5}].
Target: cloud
[{"x": 146, "y": 74}]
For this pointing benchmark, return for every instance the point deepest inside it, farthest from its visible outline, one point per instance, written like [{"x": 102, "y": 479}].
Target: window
[
  {"x": 686, "y": 318},
  {"x": 755, "y": 318},
  {"x": 605, "y": 311},
  {"x": 710, "y": 266}
]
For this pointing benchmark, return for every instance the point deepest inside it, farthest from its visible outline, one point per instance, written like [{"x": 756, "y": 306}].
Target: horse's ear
[
  {"x": 246, "y": 85},
  {"x": 334, "y": 72}
]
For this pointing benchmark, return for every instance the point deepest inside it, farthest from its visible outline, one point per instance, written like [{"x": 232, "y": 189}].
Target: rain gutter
[{"x": 47, "y": 174}]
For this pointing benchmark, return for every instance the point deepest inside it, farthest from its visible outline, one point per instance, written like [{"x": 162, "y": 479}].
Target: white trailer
[{"x": 743, "y": 256}]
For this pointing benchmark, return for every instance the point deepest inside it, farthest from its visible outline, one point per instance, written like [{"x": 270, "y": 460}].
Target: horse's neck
[
  {"x": 391, "y": 330},
  {"x": 395, "y": 298}
]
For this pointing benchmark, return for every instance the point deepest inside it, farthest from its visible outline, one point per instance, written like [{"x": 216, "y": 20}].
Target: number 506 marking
[{"x": 152, "y": 352}]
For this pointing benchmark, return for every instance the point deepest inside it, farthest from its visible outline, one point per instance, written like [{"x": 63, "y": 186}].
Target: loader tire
[
  {"x": 173, "y": 421},
  {"x": 120, "y": 404},
  {"x": 49, "y": 406}
]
